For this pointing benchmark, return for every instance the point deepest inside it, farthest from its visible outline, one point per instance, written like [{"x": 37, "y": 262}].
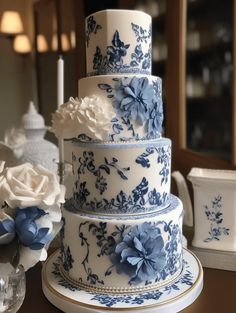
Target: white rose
[
  {"x": 90, "y": 116},
  {"x": 2, "y": 163},
  {"x": 63, "y": 123},
  {"x": 95, "y": 114},
  {"x": 27, "y": 185}
]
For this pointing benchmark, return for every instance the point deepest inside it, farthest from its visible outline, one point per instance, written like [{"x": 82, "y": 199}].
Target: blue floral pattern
[
  {"x": 215, "y": 217},
  {"x": 110, "y": 301},
  {"x": 141, "y": 198},
  {"x": 113, "y": 61},
  {"x": 136, "y": 202},
  {"x": 135, "y": 100},
  {"x": 66, "y": 257},
  {"x": 92, "y": 28},
  {"x": 91, "y": 277},
  {"x": 87, "y": 163},
  {"x": 139, "y": 251},
  {"x": 164, "y": 157}
]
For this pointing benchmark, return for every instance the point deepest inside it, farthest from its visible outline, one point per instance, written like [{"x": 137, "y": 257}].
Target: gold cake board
[{"x": 171, "y": 298}]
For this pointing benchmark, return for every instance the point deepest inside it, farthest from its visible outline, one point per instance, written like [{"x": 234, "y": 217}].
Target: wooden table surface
[{"x": 218, "y": 295}]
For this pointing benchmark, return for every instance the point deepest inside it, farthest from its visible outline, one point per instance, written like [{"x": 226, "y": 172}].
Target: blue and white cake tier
[
  {"x": 122, "y": 253},
  {"x": 121, "y": 177},
  {"x": 118, "y": 41},
  {"x": 136, "y": 102}
]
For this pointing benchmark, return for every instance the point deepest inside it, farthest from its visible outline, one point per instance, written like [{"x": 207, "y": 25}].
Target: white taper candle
[
  {"x": 60, "y": 101},
  {"x": 60, "y": 81}
]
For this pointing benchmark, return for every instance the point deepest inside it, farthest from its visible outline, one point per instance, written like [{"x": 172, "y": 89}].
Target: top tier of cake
[{"x": 118, "y": 41}]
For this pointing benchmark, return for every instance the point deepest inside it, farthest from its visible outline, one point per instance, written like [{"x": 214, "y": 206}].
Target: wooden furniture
[
  {"x": 218, "y": 293},
  {"x": 176, "y": 116}
]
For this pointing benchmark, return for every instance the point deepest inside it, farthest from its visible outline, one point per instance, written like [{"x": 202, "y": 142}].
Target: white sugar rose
[
  {"x": 63, "y": 122},
  {"x": 95, "y": 114},
  {"x": 2, "y": 163},
  {"x": 90, "y": 116},
  {"x": 27, "y": 185}
]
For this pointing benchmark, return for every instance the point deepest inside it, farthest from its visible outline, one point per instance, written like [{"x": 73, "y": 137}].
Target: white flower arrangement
[
  {"x": 90, "y": 116},
  {"x": 30, "y": 213}
]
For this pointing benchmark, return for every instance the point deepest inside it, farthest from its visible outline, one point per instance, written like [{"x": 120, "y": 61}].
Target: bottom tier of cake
[{"x": 122, "y": 253}]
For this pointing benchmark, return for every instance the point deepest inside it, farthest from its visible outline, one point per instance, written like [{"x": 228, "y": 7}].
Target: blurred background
[{"x": 193, "y": 52}]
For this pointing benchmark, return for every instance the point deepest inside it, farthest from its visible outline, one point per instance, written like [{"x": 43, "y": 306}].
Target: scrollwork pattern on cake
[
  {"x": 92, "y": 28},
  {"x": 135, "y": 100},
  {"x": 87, "y": 163},
  {"x": 164, "y": 157},
  {"x": 110, "y": 301},
  {"x": 92, "y": 278},
  {"x": 136, "y": 202},
  {"x": 139, "y": 251},
  {"x": 113, "y": 61},
  {"x": 66, "y": 257}
]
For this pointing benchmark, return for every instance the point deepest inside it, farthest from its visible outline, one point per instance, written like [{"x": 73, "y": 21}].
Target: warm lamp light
[
  {"x": 54, "y": 42},
  {"x": 72, "y": 39},
  {"x": 22, "y": 44},
  {"x": 11, "y": 23},
  {"x": 65, "y": 44},
  {"x": 42, "y": 45}
]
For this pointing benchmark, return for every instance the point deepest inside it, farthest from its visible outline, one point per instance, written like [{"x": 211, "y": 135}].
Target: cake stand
[{"x": 170, "y": 298}]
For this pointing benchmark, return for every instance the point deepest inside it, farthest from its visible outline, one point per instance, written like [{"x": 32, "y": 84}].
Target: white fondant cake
[
  {"x": 122, "y": 228},
  {"x": 118, "y": 178},
  {"x": 122, "y": 253},
  {"x": 137, "y": 101},
  {"x": 118, "y": 42}
]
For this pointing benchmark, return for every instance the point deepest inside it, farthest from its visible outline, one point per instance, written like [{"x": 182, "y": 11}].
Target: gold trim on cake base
[{"x": 185, "y": 298}]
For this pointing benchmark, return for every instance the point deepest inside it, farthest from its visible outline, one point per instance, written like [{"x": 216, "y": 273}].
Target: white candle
[
  {"x": 60, "y": 101},
  {"x": 60, "y": 81}
]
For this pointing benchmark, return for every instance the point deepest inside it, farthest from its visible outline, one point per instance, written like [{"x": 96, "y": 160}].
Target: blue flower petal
[
  {"x": 7, "y": 226},
  {"x": 138, "y": 245}
]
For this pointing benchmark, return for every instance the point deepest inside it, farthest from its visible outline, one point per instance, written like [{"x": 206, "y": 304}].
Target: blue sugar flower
[
  {"x": 7, "y": 226},
  {"x": 133, "y": 99},
  {"x": 141, "y": 253},
  {"x": 27, "y": 226},
  {"x": 7, "y": 230}
]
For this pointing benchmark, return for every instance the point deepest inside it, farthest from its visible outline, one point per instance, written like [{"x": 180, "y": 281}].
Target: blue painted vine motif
[
  {"x": 135, "y": 100},
  {"x": 142, "y": 34},
  {"x": 164, "y": 157},
  {"x": 66, "y": 257},
  {"x": 215, "y": 217},
  {"x": 113, "y": 61},
  {"x": 87, "y": 163},
  {"x": 141, "y": 198},
  {"x": 138, "y": 252},
  {"x": 61, "y": 280},
  {"x": 137, "y": 201},
  {"x": 109, "y": 301},
  {"x": 92, "y": 28},
  {"x": 91, "y": 277}
]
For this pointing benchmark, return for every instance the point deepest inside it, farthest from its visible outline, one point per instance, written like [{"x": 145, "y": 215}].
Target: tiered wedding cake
[{"x": 122, "y": 228}]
